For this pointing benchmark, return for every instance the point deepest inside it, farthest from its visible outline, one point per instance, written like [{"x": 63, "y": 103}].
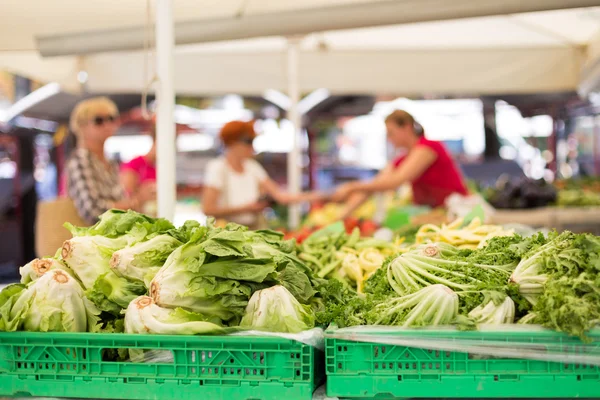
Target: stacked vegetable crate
[
  {"x": 364, "y": 369},
  {"x": 174, "y": 367}
]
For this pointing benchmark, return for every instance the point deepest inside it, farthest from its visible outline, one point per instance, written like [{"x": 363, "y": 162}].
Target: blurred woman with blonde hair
[{"x": 92, "y": 180}]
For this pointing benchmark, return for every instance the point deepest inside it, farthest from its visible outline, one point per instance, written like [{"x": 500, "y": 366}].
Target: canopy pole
[
  {"x": 294, "y": 167},
  {"x": 165, "y": 96}
]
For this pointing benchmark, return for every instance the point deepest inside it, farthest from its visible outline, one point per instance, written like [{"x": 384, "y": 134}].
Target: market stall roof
[
  {"x": 53, "y": 103},
  {"x": 496, "y": 50}
]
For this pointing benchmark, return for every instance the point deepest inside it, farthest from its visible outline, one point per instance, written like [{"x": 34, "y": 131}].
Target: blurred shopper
[
  {"x": 236, "y": 187},
  {"x": 427, "y": 165},
  {"x": 140, "y": 172},
  {"x": 92, "y": 180}
]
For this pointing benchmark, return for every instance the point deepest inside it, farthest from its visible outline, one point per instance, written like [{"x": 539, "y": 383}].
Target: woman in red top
[{"x": 427, "y": 166}]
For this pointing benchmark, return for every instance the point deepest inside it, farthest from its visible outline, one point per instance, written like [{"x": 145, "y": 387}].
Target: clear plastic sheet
[
  {"x": 520, "y": 345},
  {"x": 314, "y": 337}
]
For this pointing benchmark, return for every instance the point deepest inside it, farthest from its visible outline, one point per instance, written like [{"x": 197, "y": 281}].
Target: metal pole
[
  {"x": 294, "y": 168},
  {"x": 165, "y": 125}
]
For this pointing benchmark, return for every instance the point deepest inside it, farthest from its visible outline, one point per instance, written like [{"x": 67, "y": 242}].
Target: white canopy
[{"x": 492, "y": 52}]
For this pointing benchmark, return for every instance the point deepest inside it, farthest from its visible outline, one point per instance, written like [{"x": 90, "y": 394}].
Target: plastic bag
[
  {"x": 460, "y": 206},
  {"x": 314, "y": 337},
  {"x": 525, "y": 348}
]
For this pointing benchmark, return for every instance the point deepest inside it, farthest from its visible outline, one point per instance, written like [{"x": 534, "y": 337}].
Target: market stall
[
  {"x": 463, "y": 307},
  {"x": 137, "y": 307}
]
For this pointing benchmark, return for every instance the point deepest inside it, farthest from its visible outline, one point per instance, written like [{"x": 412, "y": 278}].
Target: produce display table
[
  {"x": 571, "y": 218},
  {"x": 537, "y": 217}
]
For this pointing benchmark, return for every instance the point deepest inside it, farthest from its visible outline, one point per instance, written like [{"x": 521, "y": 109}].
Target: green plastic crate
[
  {"x": 190, "y": 367},
  {"x": 365, "y": 370}
]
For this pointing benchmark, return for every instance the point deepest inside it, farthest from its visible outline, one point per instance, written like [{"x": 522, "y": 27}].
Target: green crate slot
[
  {"x": 182, "y": 367},
  {"x": 369, "y": 370}
]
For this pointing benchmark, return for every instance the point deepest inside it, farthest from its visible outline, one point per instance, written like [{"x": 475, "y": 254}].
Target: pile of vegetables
[
  {"x": 552, "y": 281},
  {"x": 461, "y": 233},
  {"x": 520, "y": 193},
  {"x": 577, "y": 198},
  {"x": 137, "y": 274},
  {"x": 527, "y": 193},
  {"x": 332, "y": 253}
]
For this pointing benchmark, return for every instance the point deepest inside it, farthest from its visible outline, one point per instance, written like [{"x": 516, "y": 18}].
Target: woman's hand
[
  {"x": 343, "y": 192},
  {"x": 255, "y": 207}
]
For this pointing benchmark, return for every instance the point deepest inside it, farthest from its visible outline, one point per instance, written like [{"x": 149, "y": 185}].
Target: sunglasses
[
  {"x": 246, "y": 140},
  {"x": 99, "y": 120}
]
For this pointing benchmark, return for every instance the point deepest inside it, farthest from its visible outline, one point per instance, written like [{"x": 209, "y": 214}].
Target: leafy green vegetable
[
  {"x": 142, "y": 261},
  {"x": 433, "y": 264},
  {"x": 215, "y": 274},
  {"x": 112, "y": 293},
  {"x": 570, "y": 300},
  {"x": 89, "y": 258},
  {"x": 341, "y": 305},
  {"x": 38, "y": 267},
  {"x": 144, "y": 316},
  {"x": 53, "y": 303},
  {"x": 8, "y": 296},
  {"x": 116, "y": 223},
  {"x": 275, "y": 309},
  {"x": 432, "y": 305},
  {"x": 497, "y": 308}
]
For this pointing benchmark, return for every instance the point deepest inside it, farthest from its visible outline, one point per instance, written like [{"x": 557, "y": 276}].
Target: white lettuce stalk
[
  {"x": 89, "y": 256},
  {"x": 54, "y": 303},
  {"x": 494, "y": 312},
  {"x": 144, "y": 316},
  {"x": 142, "y": 261},
  {"x": 432, "y": 305},
  {"x": 276, "y": 310},
  {"x": 38, "y": 267}
]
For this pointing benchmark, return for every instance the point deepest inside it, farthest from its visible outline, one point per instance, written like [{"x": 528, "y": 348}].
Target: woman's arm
[
  {"x": 210, "y": 205},
  {"x": 271, "y": 188},
  {"x": 357, "y": 199},
  {"x": 415, "y": 164}
]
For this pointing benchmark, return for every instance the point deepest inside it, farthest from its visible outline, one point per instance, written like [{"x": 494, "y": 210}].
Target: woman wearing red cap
[
  {"x": 235, "y": 182},
  {"x": 427, "y": 166}
]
